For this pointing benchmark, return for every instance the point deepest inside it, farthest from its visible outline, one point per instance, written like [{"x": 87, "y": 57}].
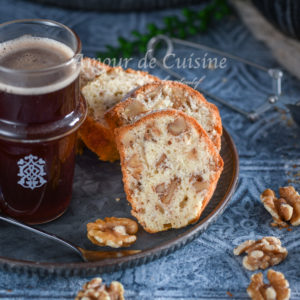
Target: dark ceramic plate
[{"x": 97, "y": 185}]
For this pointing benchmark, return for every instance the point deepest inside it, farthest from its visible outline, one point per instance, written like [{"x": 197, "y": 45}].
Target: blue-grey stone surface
[{"x": 269, "y": 152}]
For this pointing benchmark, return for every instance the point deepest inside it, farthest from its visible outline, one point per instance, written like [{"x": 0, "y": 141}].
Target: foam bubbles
[{"x": 29, "y": 53}]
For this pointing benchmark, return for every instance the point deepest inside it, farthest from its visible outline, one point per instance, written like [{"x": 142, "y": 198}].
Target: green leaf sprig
[{"x": 192, "y": 23}]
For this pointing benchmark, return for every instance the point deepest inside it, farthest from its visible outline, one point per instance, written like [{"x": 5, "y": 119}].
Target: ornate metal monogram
[{"x": 31, "y": 171}]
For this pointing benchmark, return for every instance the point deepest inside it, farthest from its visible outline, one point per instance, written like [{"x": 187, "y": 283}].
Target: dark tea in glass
[{"x": 40, "y": 112}]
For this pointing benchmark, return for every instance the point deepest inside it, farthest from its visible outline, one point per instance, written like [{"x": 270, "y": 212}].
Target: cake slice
[
  {"x": 91, "y": 68},
  {"x": 107, "y": 89},
  {"x": 168, "y": 94},
  {"x": 170, "y": 169}
]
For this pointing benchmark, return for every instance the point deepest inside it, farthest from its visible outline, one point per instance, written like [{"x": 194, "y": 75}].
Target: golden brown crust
[
  {"x": 119, "y": 133},
  {"x": 142, "y": 73},
  {"x": 114, "y": 116},
  {"x": 90, "y": 131},
  {"x": 99, "y": 139}
]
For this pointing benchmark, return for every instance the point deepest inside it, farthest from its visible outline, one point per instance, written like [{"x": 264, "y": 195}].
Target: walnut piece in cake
[
  {"x": 96, "y": 290},
  {"x": 277, "y": 289},
  {"x": 283, "y": 209},
  {"x": 261, "y": 254},
  {"x": 112, "y": 232}
]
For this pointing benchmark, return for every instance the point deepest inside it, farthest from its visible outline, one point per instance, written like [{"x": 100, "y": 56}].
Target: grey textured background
[{"x": 270, "y": 157}]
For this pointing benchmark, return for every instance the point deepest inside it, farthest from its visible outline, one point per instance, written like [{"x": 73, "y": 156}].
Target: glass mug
[{"x": 40, "y": 112}]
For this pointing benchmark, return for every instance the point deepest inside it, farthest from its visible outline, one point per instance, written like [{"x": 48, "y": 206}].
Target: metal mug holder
[{"x": 275, "y": 74}]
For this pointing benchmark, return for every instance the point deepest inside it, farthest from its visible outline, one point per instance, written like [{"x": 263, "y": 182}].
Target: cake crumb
[
  {"x": 229, "y": 294},
  {"x": 117, "y": 199},
  {"x": 289, "y": 229}
]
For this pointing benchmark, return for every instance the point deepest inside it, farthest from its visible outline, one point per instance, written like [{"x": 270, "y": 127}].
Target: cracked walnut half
[
  {"x": 97, "y": 290},
  {"x": 261, "y": 254},
  {"x": 283, "y": 209},
  {"x": 277, "y": 289},
  {"x": 112, "y": 232}
]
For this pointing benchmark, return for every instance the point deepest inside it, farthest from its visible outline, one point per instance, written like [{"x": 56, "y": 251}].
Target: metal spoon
[
  {"x": 295, "y": 112},
  {"x": 86, "y": 255}
]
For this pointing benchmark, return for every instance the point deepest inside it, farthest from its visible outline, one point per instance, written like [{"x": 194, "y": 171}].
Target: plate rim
[{"x": 113, "y": 264}]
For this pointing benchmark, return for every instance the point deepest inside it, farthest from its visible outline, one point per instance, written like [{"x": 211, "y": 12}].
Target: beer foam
[{"x": 45, "y": 53}]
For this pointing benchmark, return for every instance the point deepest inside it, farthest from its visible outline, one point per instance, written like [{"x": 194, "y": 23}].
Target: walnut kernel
[
  {"x": 293, "y": 199},
  {"x": 112, "y": 232},
  {"x": 277, "y": 289},
  {"x": 274, "y": 207},
  {"x": 261, "y": 253},
  {"x": 136, "y": 165},
  {"x": 166, "y": 192},
  {"x": 96, "y": 290},
  {"x": 198, "y": 183},
  {"x": 283, "y": 209},
  {"x": 177, "y": 127},
  {"x": 134, "y": 108},
  {"x": 161, "y": 163},
  {"x": 152, "y": 131}
]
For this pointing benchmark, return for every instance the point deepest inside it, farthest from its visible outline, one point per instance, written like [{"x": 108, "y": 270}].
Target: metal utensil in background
[
  {"x": 86, "y": 255},
  {"x": 275, "y": 74}
]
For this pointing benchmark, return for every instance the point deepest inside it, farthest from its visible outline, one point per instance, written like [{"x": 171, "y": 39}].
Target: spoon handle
[{"x": 42, "y": 233}]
